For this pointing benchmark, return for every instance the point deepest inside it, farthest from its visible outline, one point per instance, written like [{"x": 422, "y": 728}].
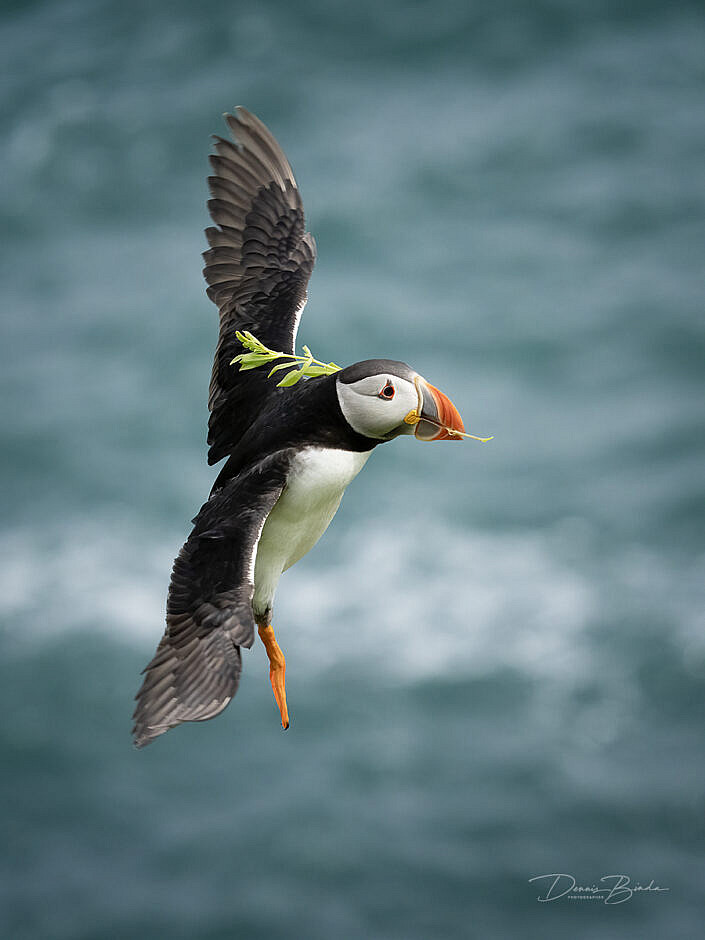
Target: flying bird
[{"x": 291, "y": 451}]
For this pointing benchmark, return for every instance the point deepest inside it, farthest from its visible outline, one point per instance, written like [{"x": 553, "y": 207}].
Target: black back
[{"x": 307, "y": 414}]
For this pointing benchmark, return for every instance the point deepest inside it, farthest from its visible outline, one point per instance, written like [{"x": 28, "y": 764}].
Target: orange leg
[{"x": 277, "y": 671}]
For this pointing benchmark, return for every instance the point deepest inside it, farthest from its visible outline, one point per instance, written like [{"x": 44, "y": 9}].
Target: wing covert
[{"x": 257, "y": 268}]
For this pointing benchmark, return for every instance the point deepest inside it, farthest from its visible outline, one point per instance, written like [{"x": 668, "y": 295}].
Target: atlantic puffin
[{"x": 291, "y": 452}]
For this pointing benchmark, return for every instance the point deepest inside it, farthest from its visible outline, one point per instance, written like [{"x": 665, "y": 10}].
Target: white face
[{"x": 377, "y": 405}]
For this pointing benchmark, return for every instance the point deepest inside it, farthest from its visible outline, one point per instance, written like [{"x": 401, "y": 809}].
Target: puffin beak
[{"x": 438, "y": 414}]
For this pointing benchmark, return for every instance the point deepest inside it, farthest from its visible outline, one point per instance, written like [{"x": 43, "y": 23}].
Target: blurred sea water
[{"x": 497, "y": 653}]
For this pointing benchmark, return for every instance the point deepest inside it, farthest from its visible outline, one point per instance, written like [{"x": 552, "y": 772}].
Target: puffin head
[{"x": 381, "y": 399}]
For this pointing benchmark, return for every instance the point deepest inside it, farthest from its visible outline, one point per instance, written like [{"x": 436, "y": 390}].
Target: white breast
[{"x": 302, "y": 514}]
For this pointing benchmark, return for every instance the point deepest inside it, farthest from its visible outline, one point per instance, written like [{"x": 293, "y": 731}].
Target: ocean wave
[{"x": 407, "y": 602}]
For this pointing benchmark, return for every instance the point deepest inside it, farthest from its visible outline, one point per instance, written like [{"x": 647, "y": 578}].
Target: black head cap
[{"x": 360, "y": 370}]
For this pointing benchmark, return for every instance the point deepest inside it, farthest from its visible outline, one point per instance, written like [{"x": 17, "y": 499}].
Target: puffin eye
[{"x": 387, "y": 392}]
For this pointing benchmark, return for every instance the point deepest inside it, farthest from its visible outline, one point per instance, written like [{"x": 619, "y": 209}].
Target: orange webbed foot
[{"x": 277, "y": 671}]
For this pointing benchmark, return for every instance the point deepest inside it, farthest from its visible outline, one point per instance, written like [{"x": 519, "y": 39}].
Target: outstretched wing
[
  {"x": 257, "y": 268},
  {"x": 196, "y": 668}
]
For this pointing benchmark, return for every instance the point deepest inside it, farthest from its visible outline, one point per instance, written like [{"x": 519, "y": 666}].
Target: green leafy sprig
[{"x": 260, "y": 355}]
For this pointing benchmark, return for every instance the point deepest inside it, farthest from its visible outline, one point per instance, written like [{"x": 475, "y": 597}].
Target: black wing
[
  {"x": 257, "y": 268},
  {"x": 196, "y": 668}
]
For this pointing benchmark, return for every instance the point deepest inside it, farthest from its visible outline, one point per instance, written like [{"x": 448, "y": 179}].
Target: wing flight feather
[
  {"x": 196, "y": 669},
  {"x": 257, "y": 268}
]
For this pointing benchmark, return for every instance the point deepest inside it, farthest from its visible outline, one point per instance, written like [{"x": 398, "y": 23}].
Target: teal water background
[{"x": 496, "y": 656}]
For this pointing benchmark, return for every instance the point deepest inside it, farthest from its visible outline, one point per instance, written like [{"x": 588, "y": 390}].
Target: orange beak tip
[{"x": 448, "y": 416}]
